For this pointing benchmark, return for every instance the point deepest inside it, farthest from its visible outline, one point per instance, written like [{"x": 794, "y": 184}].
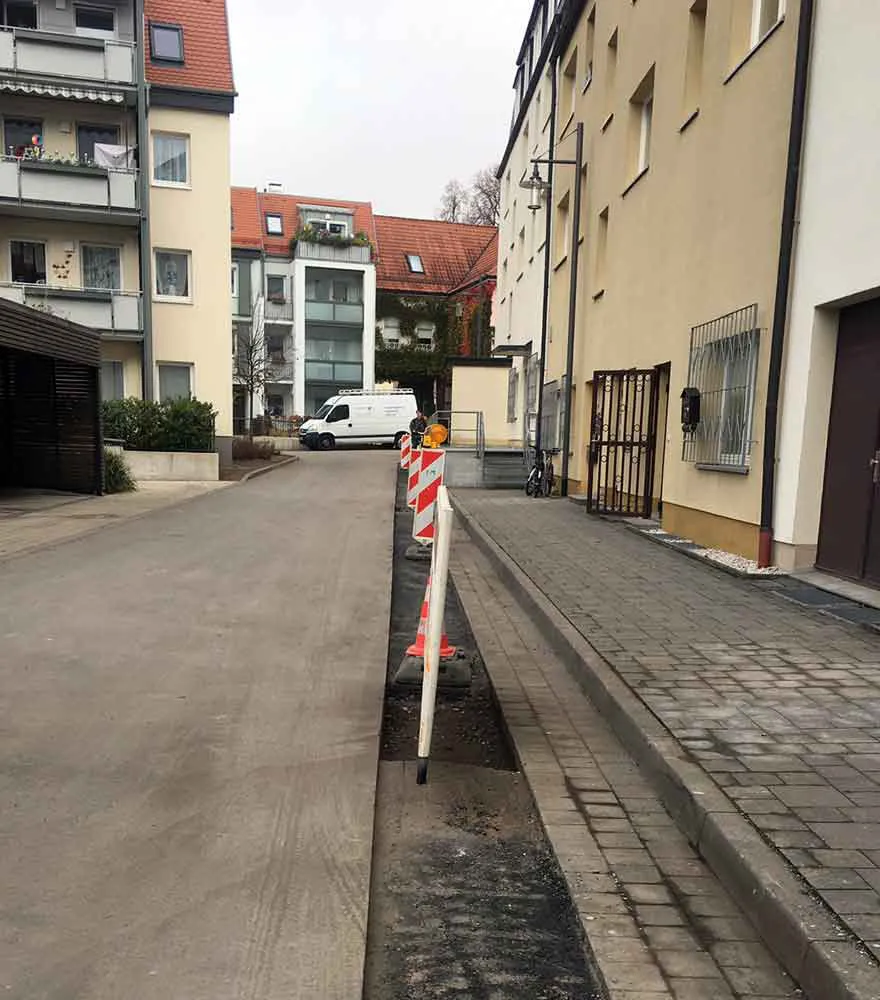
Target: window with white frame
[
  {"x": 20, "y": 14},
  {"x": 425, "y": 334},
  {"x": 172, "y": 274},
  {"x": 175, "y": 382},
  {"x": 235, "y": 281},
  {"x": 95, "y": 22},
  {"x": 170, "y": 159},
  {"x": 765, "y": 15},
  {"x": 723, "y": 370},
  {"x": 512, "y": 380},
  {"x": 101, "y": 267},
  {"x": 27, "y": 261},
  {"x": 391, "y": 332},
  {"x": 642, "y": 122},
  {"x": 333, "y": 227},
  {"x": 276, "y": 288}
]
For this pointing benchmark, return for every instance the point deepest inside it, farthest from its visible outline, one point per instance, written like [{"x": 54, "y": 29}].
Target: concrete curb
[
  {"x": 805, "y": 937},
  {"x": 267, "y": 469}
]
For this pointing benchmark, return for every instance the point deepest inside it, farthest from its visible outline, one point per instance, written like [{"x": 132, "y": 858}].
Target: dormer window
[
  {"x": 274, "y": 224},
  {"x": 166, "y": 43},
  {"x": 329, "y": 226},
  {"x": 414, "y": 263}
]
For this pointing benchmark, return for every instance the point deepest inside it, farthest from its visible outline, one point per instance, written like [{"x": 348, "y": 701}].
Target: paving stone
[
  {"x": 688, "y": 964},
  {"x": 701, "y": 989}
]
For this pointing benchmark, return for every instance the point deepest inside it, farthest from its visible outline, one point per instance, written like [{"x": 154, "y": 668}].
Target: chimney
[{"x": 274, "y": 188}]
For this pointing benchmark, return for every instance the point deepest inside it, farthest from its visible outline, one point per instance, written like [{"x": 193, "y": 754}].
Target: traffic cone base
[{"x": 418, "y": 647}]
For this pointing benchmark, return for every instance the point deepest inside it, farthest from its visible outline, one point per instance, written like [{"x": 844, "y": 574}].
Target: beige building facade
[{"x": 686, "y": 108}]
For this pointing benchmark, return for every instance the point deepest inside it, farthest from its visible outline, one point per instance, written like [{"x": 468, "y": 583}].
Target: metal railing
[
  {"x": 323, "y": 311},
  {"x": 102, "y": 309},
  {"x": 466, "y": 429},
  {"x": 334, "y": 371},
  {"x": 344, "y": 255},
  {"x": 68, "y": 183},
  {"x": 278, "y": 310}
]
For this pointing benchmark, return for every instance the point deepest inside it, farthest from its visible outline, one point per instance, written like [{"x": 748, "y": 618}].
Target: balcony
[
  {"x": 279, "y": 371},
  {"x": 54, "y": 54},
  {"x": 339, "y": 313},
  {"x": 337, "y": 372},
  {"x": 116, "y": 314},
  {"x": 69, "y": 190},
  {"x": 338, "y": 255},
  {"x": 278, "y": 311}
]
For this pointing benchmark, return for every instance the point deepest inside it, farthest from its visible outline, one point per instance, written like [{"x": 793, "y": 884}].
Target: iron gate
[{"x": 623, "y": 442}]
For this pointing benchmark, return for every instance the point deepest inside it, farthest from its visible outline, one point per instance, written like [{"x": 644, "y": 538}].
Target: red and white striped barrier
[
  {"x": 413, "y": 481},
  {"x": 431, "y": 469},
  {"x": 405, "y": 451}
]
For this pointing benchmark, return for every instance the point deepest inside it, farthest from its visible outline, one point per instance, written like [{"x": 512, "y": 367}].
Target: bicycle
[{"x": 542, "y": 477}]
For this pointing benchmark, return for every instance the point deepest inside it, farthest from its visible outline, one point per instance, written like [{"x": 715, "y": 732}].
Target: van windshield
[{"x": 325, "y": 409}]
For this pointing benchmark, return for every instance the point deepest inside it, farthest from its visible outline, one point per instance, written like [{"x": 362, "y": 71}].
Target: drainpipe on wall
[
  {"x": 548, "y": 232},
  {"x": 783, "y": 278},
  {"x": 144, "y": 238}
]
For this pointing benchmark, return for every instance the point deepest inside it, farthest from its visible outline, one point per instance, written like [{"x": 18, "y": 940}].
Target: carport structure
[{"x": 50, "y": 418}]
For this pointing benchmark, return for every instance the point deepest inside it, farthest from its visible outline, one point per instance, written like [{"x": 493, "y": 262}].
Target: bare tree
[
  {"x": 252, "y": 368},
  {"x": 484, "y": 203},
  {"x": 454, "y": 202}
]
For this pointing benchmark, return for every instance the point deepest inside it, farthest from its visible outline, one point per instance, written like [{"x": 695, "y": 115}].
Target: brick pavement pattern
[
  {"x": 780, "y": 705},
  {"x": 659, "y": 924}
]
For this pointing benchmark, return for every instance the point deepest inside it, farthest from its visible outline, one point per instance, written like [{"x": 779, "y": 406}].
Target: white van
[{"x": 359, "y": 416}]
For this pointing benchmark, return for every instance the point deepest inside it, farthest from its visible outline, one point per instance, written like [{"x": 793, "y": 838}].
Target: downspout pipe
[
  {"x": 572, "y": 307},
  {"x": 783, "y": 278},
  {"x": 144, "y": 237},
  {"x": 548, "y": 232}
]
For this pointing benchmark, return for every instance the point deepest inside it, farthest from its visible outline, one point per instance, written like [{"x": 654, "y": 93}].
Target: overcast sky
[{"x": 381, "y": 101}]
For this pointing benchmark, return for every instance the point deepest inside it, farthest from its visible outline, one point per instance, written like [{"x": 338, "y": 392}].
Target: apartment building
[
  {"x": 686, "y": 111},
  {"x": 114, "y": 181},
  {"x": 303, "y": 297},
  {"x": 522, "y": 233}
]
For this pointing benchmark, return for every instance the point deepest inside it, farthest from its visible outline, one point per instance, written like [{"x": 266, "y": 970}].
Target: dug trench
[{"x": 466, "y": 899}]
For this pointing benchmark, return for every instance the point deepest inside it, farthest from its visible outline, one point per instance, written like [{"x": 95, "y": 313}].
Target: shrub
[
  {"x": 178, "y": 425},
  {"x": 117, "y": 475},
  {"x": 245, "y": 450}
]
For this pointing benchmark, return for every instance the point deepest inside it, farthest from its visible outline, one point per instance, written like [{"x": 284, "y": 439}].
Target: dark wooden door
[{"x": 849, "y": 536}]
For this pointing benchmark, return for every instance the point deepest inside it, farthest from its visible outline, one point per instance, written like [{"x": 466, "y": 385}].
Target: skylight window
[
  {"x": 414, "y": 262},
  {"x": 274, "y": 225},
  {"x": 166, "y": 42}
]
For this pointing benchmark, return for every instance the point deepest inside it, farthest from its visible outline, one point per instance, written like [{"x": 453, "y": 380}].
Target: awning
[{"x": 67, "y": 93}]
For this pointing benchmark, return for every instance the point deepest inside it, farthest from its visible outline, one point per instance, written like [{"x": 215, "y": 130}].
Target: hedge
[{"x": 178, "y": 425}]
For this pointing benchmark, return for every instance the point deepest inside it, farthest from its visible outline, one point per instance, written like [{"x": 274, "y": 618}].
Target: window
[
  {"x": 391, "y": 332},
  {"x": 569, "y": 81},
  {"x": 610, "y": 72},
  {"x": 101, "y": 267},
  {"x": 723, "y": 367},
  {"x": 414, "y": 263},
  {"x": 274, "y": 224},
  {"x": 175, "y": 382},
  {"x": 425, "y": 334},
  {"x": 28, "y": 262},
  {"x": 166, "y": 43},
  {"x": 20, "y": 15},
  {"x": 275, "y": 288},
  {"x": 340, "y": 412},
  {"x": 112, "y": 382},
  {"x": 95, "y": 22},
  {"x": 88, "y": 135},
  {"x": 765, "y": 14},
  {"x": 21, "y": 134},
  {"x": 512, "y": 378},
  {"x": 340, "y": 291},
  {"x": 693, "y": 79},
  {"x": 170, "y": 159},
  {"x": 641, "y": 125},
  {"x": 332, "y": 228},
  {"x": 601, "y": 251},
  {"x": 235, "y": 281},
  {"x": 589, "y": 48},
  {"x": 275, "y": 348},
  {"x": 172, "y": 274},
  {"x": 561, "y": 229}
]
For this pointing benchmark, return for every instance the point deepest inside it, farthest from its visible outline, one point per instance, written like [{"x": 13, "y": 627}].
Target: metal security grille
[
  {"x": 623, "y": 442},
  {"x": 723, "y": 366}
]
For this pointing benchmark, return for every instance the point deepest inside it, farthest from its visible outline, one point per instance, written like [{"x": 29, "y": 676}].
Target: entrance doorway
[
  {"x": 849, "y": 534},
  {"x": 623, "y": 442}
]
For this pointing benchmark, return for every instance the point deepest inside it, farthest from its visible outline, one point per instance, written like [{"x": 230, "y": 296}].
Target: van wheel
[
  {"x": 398, "y": 440},
  {"x": 326, "y": 442}
]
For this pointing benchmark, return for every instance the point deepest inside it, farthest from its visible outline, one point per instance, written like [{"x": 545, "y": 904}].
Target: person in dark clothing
[{"x": 417, "y": 427}]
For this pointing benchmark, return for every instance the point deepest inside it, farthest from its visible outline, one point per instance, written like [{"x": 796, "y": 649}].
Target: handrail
[{"x": 446, "y": 417}]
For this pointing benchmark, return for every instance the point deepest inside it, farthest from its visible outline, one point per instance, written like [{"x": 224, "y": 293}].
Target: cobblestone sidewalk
[
  {"x": 659, "y": 924},
  {"x": 780, "y": 706}
]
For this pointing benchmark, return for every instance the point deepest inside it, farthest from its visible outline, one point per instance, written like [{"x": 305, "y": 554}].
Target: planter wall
[{"x": 174, "y": 466}]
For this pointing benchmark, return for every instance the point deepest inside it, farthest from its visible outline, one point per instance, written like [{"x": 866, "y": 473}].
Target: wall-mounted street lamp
[{"x": 540, "y": 190}]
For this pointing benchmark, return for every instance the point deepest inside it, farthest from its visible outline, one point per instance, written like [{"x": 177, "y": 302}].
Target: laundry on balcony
[{"x": 114, "y": 157}]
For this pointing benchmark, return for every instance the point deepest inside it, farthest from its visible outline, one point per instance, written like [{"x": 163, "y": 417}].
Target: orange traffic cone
[{"x": 418, "y": 647}]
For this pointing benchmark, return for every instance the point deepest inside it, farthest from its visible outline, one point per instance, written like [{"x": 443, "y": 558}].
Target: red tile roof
[
  {"x": 250, "y": 207},
  {"x": 207, "y": 58},
  {"x": 450, "y": 252},
  {"x": 485, "y": 266}
]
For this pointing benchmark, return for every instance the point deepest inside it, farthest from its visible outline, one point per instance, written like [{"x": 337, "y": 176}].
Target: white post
[{"x": 436, "y": 609}]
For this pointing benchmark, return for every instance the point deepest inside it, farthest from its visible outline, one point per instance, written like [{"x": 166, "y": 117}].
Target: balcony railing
[
  {"x": 342, "y": 255},
  {"x": 338, "y": 372},
  {"x": 40, "y": 181},
  {"x": 114, "y": 312},
  {"x": 278, "y": 311},
  {"x": 335, "y": 312},
  {"x": 67, "y": 56},
  {"x": 279, "y": 371}
]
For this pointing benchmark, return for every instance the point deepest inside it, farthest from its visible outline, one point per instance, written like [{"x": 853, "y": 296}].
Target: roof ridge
[{"x": 439, "y": 222}]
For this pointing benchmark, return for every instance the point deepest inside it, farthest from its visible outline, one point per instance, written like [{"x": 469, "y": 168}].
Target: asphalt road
[{"x": 190, "y": 708}]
